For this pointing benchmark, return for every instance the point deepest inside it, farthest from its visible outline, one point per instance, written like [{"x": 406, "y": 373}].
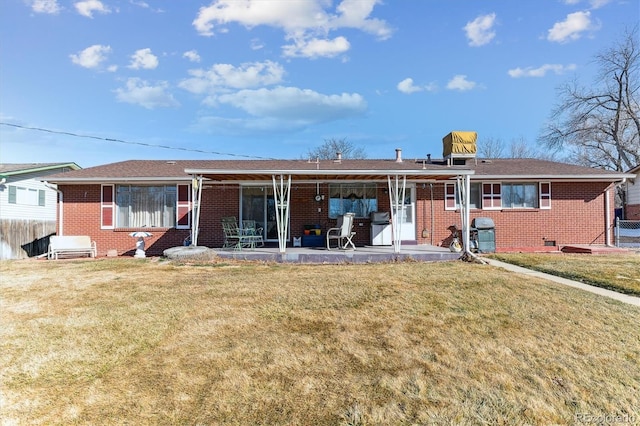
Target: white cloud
[
  {"x": 407, "y": 86},
  {"x": 314, "y": 48},
  {"x": 256, "y": 44},
  {"x": 541, "y": 71},
  {"x": 296, "y": 104},
  {"x": 480, "y": 30},
  {"x": 46, "y": 6},
  {"x": 91, "y": 57},
  {"x": 145, "y": 5},
  {"x": 571, "y": 28},
  {"x": 140, "y": 92},
  {"x": 143, "y": 59},
  {"x": 222, "y": 77},
  {"x": 306, "y": 21},
  {"x": 355, "y": 14},
  {"x": 595, "y": 4},
  {"x": 142, "y": 4},
  {"x": 87, "y": 7},
  {"x": 191, "y": 55},
  {"x": 460, "y": 82},
  {"x": 282, "y": 109}
]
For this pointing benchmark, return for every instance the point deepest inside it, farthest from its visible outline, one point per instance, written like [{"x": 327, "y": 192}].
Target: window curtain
[
  {"x": 360, "y": 199},
  {"x": 146, "y": 206}
]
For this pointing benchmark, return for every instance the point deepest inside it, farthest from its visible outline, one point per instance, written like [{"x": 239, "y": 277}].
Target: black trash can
[{"x": 485, "y": 231}]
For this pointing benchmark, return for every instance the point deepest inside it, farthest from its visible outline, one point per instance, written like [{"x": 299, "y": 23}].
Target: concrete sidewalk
[{"x": 632, "y": 300}]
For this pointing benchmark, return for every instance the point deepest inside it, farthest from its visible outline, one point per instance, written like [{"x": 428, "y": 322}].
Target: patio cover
[{"x": 396, "y": 173}]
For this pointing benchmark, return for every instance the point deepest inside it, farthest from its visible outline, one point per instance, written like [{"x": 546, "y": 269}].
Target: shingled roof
[
  {"x": 8, "y": 169},
  {"x": 367, "y": 169}
]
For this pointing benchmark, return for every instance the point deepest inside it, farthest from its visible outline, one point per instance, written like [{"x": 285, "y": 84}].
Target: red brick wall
[
  {"x": 575, "y": 217},
  {"x": 632, "y": 212},
  {"x": 82, "y": 217}
]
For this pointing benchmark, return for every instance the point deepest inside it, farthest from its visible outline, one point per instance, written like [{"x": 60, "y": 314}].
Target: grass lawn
[
  {"x": 146, "y": 342},
  {"x": 615, "y": 272}
]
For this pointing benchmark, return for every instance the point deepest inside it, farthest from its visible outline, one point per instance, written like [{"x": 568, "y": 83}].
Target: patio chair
[
  {"x": 343, "y": 233},
  {"x": 253, "y": 232},
  {"x": 234, "y": 236}
]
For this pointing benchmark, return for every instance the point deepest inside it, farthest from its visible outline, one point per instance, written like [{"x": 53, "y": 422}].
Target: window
[
  {"x": 138, "y": 206},
  {"x": 545, "y": 195},
  {"x": 491, "y": 196},
  {"x": 505, "y": 195},
  {"x": 358, "y": 198},
  {"x": 452, "y": 199},
  {"x": 26, "y": 196},
  {"x": 520, "y": 195}
]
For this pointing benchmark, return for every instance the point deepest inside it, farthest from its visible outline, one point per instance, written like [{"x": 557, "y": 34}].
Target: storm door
[{"x": 406, "y": 218}]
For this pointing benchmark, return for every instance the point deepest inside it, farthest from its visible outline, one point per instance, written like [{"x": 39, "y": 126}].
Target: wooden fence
[{"x": 20, "y": 239}]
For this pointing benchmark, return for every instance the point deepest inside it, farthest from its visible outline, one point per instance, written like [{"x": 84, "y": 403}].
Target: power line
[{"x": 149, "y": 145}]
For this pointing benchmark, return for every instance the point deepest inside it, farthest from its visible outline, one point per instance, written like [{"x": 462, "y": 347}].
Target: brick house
[
  {"x": 632, "y": 196},
  {"x": 535, "y": 204}
]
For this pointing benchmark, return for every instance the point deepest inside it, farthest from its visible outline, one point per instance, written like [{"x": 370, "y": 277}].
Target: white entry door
[{"x": 406, "y": 218}]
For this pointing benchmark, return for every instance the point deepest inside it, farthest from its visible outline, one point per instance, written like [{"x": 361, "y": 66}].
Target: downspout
[
  {"x": 607, "y": 217},
  {"x": 60, "y": 206},
  {"x": 432, "y": 212}
]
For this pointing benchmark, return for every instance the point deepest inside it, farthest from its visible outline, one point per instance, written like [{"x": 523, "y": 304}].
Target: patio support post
[
  {"x": 467, "y": 219},
  {"x": 464, "y": 187},
  {"x": 396, "y": 200},
  {"x": 196, "y": 194},
  {"x": 282, "y": 193}
]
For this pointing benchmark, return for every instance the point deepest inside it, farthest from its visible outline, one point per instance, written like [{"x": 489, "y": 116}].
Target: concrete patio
[{"x": 365, "y": 254}]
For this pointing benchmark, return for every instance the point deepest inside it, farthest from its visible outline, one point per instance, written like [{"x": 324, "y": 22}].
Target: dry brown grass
[
  {"x": 615, "y": 272},
  {"x": 151, "y": 342}
]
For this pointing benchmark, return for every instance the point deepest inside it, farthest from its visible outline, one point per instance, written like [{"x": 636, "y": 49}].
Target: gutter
[
  {"x": 330, "y": 172},
  {"x": 560, "y": 178},
  {"x": 60, "y": 204}
]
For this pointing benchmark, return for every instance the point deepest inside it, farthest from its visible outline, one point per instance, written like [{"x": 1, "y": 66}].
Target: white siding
[
  {"x": 633, "y": 192},
  {"x": 24, "y": 211}
]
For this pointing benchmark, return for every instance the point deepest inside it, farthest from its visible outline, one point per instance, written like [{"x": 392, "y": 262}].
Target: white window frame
[
  {"x": 524, "y": 184},
  {"x": 26, "y": 196},
  {"x": 494, "y": 198},
  {"x": 448, "y": 196},
  {"x": 108, "y": 207},
  {"x": 178, "y": 207},
  {"x": 544, "y": 197}
]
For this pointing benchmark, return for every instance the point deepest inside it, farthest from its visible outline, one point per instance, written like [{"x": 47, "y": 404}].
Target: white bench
[{"x": 71, "y": 245}]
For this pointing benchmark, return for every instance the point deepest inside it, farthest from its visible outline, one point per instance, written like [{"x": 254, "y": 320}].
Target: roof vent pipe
[
  {"x": 398, "y": 155},
  {"x": 429, "y": 158},
  {"x": 338, "y": 157}
]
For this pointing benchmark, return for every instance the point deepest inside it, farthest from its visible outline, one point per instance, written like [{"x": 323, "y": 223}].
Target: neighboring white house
[
  {"x": 632, "y": 196},
  {"x": 28, "y": 208}
]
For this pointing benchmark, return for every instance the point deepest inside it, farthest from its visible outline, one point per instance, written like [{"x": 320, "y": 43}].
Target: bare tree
[
  {"x": 520, "y": 148},
  {"x": 491, "y": 148},
  {"x": 599, "y": 125},
  {"x": 329, "y": 149},
  {"x": 517, "y": 148}
]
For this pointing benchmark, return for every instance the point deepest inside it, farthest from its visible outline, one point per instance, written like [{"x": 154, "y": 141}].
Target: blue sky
[{"x": 232, "y": 79}]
